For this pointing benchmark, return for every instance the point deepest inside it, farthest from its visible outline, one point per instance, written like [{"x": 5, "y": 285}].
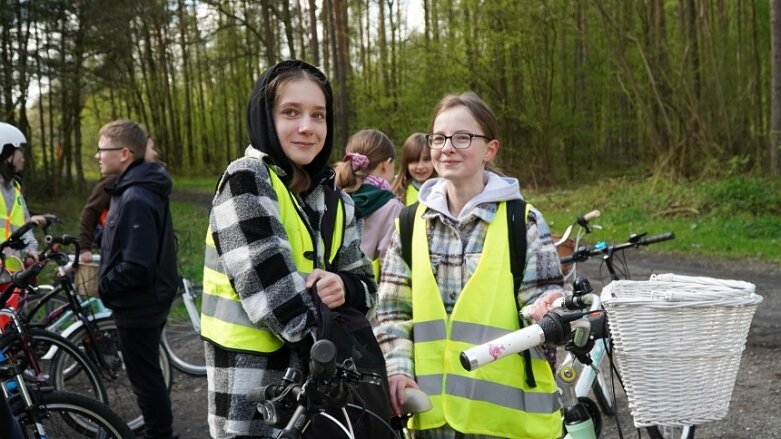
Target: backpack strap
[
  {"x": 517, "y": 215},
  {"x": 406, "y": 225},
  {"x": 331, "y": 197}
]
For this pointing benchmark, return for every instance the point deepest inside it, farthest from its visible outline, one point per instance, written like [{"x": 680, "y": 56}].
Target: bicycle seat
[{"x": 415, "y": 401}]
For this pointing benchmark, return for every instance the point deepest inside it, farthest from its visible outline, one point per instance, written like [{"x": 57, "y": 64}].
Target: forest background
[{"x": 642, "y": 96}]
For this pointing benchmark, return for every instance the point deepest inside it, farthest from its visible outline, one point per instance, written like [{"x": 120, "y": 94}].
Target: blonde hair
[
  {"x": 126, "y": 133},
  {"x": 371, "y": 143},
  {"x": 415, "y": 148}
]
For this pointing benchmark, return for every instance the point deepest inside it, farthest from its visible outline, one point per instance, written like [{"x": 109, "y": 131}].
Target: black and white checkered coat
[{"x": 255, "y": 254}]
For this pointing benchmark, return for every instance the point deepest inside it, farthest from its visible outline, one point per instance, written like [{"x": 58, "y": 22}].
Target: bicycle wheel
[
  {"x": 181, "y": 335},
  {"x": 67, "y": 415},
  {"x": 121, "y": 398},
  {"x": 52, "y": 353},
  {"x": 603, "y": 394},
  {"x": 667, "y": 432}
]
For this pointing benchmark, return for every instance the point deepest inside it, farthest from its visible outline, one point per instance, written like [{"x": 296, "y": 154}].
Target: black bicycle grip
[
  {"x": 64, "y": 239},
  {"x": 322, "y": 360},
  {"x": 22, "y": 279},
  {"x": 265, "y": 393},
  {"x": 658, "y": 238},
  {"x": 567, "y": 260}
]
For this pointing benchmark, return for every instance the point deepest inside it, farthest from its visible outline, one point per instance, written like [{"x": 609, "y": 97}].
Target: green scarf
[{"x": 369, "y": 198}]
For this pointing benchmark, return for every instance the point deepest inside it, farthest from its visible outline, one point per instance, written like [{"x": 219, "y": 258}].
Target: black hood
[
  {"x": 263, "y": 133},
  {"x": 152, "y": 176}
]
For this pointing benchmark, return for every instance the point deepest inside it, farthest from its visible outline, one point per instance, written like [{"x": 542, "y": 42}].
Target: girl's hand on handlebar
[
  {"x": 330, "y": 287},
  {"x": 39, "y": 220},
  {"x": 544, "y": 304},
  {"x": 31, "y": 258},
  {"x": 398, "y": 384}
]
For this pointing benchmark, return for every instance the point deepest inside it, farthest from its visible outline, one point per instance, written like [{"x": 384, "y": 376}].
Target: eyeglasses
[
  {"x": 108, "y": 149},
  {"x": 458, "y": 140}
]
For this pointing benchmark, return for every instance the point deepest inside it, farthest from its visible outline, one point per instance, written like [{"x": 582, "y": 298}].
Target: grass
[{"x": 735, "y": 218}]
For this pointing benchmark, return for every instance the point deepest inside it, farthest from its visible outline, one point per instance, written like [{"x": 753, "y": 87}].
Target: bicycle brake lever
[{"x": 634, "y": 238}]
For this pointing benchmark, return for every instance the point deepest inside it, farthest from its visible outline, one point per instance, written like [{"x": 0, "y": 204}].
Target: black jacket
[{"x": 138, "y": 277}]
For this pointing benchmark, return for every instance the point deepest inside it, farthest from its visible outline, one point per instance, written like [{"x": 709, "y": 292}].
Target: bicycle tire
[
  {"x": 182, "y": 339},
  {"x": 603, "y": 395},
  {"x": 84, "y": 378},
  {"x": 79, "y": 416},
  {"x": 121, "y": 397},
  {"x": 655, "y": 433}
]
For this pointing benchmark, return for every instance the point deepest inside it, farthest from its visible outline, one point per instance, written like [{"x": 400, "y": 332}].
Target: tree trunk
[
  {"x": 314, "y": 45},
  {"x": 775, "y": 106}
]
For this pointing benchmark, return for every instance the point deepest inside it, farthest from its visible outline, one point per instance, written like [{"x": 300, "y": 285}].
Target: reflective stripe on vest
[
  {"x": 411, "y": 195},
  {"x": 223, "y": 319},
  {"x": 495, "y": 399},
  {"x": 15, "y": 218}
]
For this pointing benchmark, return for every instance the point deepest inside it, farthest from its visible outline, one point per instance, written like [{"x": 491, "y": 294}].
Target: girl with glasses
[{"x": 459, "y": 291}]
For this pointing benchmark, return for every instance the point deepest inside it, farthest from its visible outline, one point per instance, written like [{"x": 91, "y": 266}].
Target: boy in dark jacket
[{"x": 138, "y": 274}]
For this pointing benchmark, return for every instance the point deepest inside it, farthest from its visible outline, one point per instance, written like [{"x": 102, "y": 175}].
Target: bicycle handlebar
[
  {"x": 583, "y": 253},
  {"x": 554, "y": 328},
  {"x": 329, "y": 384},
  {"x": 20, "y": 279}
]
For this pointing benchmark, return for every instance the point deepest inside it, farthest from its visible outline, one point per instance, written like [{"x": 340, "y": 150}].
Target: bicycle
[
  {"x": 93, "y": 333},
  {"x": 181, "y": 335},
  {"x": 582, "y": 364},
  {"x": 290, "y": 406},
  {"x": 35, "y": 406},
  {"x": 607, "y": 253}
]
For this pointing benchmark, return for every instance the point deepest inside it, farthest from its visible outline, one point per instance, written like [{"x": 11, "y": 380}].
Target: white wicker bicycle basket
[
  {"x": 678, "y": 342},
  {"x": 87, "y": 279}
]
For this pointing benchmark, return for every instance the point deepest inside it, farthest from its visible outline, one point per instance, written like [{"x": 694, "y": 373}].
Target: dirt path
[{"x": 757, "y": 393}]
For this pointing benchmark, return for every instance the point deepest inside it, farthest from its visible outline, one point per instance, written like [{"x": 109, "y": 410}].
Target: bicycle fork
[
  {"x": 577, "y": 418},
  {"x": 13, "y": 383}
]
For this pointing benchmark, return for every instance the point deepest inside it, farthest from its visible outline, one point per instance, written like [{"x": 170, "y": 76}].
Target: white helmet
[{"x": 11, "y": 138}]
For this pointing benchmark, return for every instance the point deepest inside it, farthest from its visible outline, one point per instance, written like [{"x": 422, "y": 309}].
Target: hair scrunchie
[{"x": 357, "y": 161}]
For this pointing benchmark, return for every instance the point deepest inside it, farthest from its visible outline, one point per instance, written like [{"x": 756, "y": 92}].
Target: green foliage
[
  {"x": 744, "y": 196},
  {"x": 734, "y": 218}
]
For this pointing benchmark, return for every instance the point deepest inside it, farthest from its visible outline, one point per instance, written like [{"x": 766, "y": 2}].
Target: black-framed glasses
[
  {"x": 458, "y": 140},
  {"x": 108, "y": 149}
]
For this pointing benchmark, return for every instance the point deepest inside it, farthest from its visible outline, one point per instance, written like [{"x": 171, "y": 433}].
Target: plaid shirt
[
  {"x": 455, "y": 249},
  {"x": 256, "y": 256}
]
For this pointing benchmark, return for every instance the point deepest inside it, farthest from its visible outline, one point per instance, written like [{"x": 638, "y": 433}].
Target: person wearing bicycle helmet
[
  {"x": 459, "y": 291},
  {"x": 13, "y": 205},
  {"x": 277, "y": 226}
]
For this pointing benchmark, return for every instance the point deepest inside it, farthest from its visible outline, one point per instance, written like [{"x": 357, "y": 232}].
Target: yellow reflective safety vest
[
  {"x": 223, "y": 319},
  {"x": 411, "y": 196},
  {"x": 12, "y": 218},
  {"x": 494, "y": 399}
]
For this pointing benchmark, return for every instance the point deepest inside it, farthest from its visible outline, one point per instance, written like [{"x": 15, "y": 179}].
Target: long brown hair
[
  {"x": 373, "y": 144},
  {"x": 415, "y": 148}
]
